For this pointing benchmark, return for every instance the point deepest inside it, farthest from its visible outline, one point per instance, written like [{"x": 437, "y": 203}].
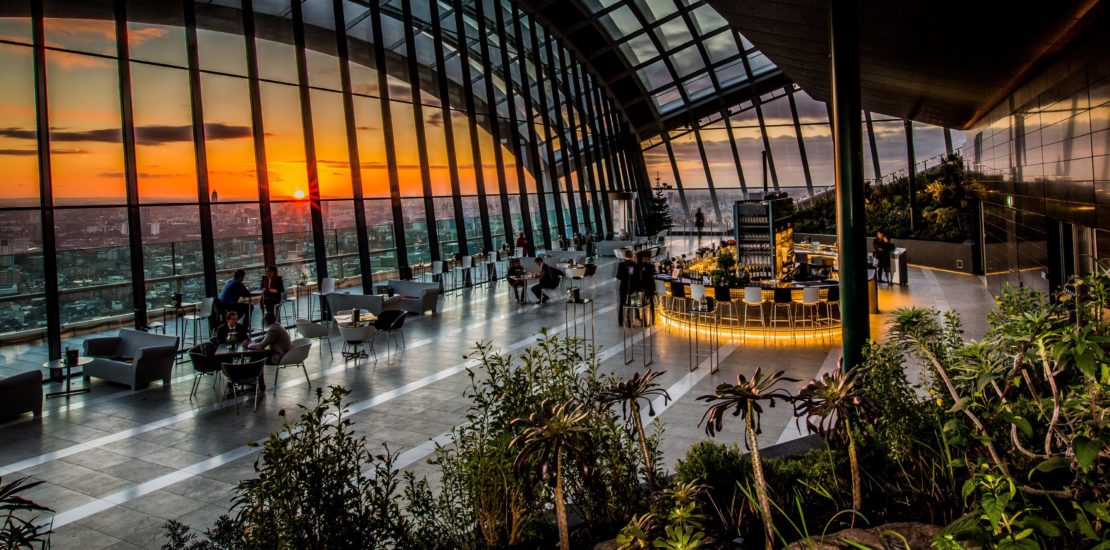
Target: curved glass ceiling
[{"x": 681, "y": 51}]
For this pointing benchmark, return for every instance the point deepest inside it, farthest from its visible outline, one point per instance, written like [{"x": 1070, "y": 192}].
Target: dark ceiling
[{"x": 941, "y": 62}]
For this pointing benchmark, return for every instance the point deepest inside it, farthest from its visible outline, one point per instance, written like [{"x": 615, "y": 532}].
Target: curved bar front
[{"x": 783, "y": 310}]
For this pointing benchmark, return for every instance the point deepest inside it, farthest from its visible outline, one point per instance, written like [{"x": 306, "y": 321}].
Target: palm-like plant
[
  {"x": 744, "y": 399},
  {"x": 629, "y": 393},
  {"x": 16, "y": 529},
  {"x": 555, "y": 432},
  {"x": 828, "y": 403}
]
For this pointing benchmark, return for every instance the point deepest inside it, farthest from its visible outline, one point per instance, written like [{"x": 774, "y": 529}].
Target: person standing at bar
[
  {"x": 273, "y": 286},
  {"x": 626, "y": 271},
  {"x": 881, "y": 248},
  {"x": 699, "y": 223},
  {"x": 645, "y": 282}
]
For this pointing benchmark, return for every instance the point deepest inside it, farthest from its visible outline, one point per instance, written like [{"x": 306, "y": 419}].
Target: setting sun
[{"x": 298, "y": 194}]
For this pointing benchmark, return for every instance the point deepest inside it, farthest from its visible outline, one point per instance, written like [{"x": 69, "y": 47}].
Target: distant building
[{"x": 215, "y": 196}]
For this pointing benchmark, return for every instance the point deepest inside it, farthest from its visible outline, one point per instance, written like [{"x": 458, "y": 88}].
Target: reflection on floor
[{"x": 117, "y": 464}]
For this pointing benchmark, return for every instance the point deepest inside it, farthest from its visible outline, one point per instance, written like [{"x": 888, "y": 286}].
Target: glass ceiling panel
[
  {"x": 654, "y": 10},
  {"x": 639, "y": 49},
  {"x": 720, "y": 47},
  {"x": 654, "y": 76},
  {"x": 673, "y": 33},
  {"x": 706, "y": 19},
  {"x": 687, "y": 61},
  {"x": 620, "y": 22}
]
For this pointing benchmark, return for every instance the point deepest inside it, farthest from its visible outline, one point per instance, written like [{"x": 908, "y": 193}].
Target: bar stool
[
  {"x": 809, "y": 304},
  {"x": 783, "y": 299},
  {"x": 697, "y": 294},
  {"x": 202, "y": 314},
  {"x": 679, "y": 303},
  {"x": 723, "y": 296},
  {"x": 661, "y": 292},
  {"x": 832, "y": 298},
  {"x": 462, "y": 271},
  {"x": 437, "y": 271},
  {"x": 327, "y": 287},
  {"x": 753, "y": 297}
]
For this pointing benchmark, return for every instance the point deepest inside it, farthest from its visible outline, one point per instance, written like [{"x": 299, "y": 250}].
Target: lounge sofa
[
  {"x": 416, "y": 297},
  {"x": 21, "y": 393},
  {"x": 133, "y": 358},
  {"x": 371, "y": 302}
]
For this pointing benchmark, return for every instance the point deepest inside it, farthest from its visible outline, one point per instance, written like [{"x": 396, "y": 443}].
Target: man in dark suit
[
  {"x": 234, "y": 289},
  {"x": 549, "y": 279},
  {"x": 626, "y": 270},
  {"x": 231, "y": 331}
]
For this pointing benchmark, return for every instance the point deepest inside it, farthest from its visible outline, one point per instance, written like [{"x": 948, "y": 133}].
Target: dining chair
[
  {"x": 295, "y": 357},
  {"x": 243, "y": 377},
  {"x": 315, "y": 331}
]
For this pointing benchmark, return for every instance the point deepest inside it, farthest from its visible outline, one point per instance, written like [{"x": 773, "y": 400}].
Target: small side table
[
  {"x": 571, "y": 322},
  {"x": 61, "y": 364},
  {"x": 628, "y": 334}
]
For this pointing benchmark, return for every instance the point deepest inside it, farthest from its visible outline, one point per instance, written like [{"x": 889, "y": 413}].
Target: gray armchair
[
  {"x": 133, "y": 358},
  {"x": 416, "y": 297},
  {"x": 21, "y": 393}
]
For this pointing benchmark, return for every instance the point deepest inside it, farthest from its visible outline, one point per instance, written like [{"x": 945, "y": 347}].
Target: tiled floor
[{"x": 117, "y": 464}]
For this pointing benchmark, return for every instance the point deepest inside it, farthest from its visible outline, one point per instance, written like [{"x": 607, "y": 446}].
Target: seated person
[
  {"x": 272, "y": 288},
  {"x": 276, "y": 339},
  {"x": 516, "y": 275},
  {"x": 234, "y": 289},
  {"x": 549, "y": 279},
  {"x": 231, "y": 331}
]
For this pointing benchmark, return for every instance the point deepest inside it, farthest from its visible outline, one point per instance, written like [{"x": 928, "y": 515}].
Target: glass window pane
[
  {"x": 329, "y": 128},
  {"x": 285, "y": 159},
  {"x": 784, "y": 142},
  {"x": 620, "y": 22},
  {"x": 87, "y": 152},
  {"x": 718, "y": 151},
  {"x": 222, "y": 50},
  {"x": 464, "y": 156},
  {"x": 655, "y": 76},
  {"x": 814, "y": 119},
  {"x": 164, "y": 155},
  {"x": 706, "y": 19},
  {"x": 445, "y": 227},
  {"x": 15, "y": 23},
  {"x": 156, "y": 32},
  {"x": 293, "y": 245},
  {"x": 688, "y": 159},
  {"x": 229, "y": 142},
  {"x": 172, "y": 259},
  {"x": 94, "y": 265},
  {"x": 87, "y": 27},
  {"x": 383, "y": 248},
  {"x": 21, "y": 271},
  {"x": 18, "y": 148},
  {"x": 416, "y": 231},
  {"x": 341, "y": 242},
  {"x": 371, "y": 147}
]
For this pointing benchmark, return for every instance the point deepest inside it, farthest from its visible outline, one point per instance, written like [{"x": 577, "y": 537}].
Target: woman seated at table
[
  {"x": 276, "y": 339},
  {"x": 517, "y": 276},
  {"x": 272, "y": 288},
  {"x": 231, "y": 331}
]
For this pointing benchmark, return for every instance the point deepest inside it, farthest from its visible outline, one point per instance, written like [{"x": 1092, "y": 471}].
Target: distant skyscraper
[{"x": 215, "y": 196}]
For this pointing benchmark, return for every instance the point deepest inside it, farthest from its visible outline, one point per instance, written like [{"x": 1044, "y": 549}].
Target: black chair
[
  {"x": 783, "y": 298},
  {"x": 204, "y": 364},
  {"x": 244, "y": 376},
  {"x": 392, "y": 322}
]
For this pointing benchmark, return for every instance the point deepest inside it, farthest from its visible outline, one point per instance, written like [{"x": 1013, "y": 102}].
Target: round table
[
  {"x": 364, "y": 316},
  {"x": 58, "y": 364}
]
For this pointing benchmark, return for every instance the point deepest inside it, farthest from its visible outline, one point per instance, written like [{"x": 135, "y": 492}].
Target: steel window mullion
[
  {"x": 757, "y": 102},
  {"x": 708, "y": 173},
  {"x": 130, "y": 170},
  {"x": 387, "y": 134},
  {"x": 677, "y": 177},
  {"x": 585, "y": 183},
  {"x": 268, "y": 253},
  {"x": 533, "y": 149},
  {"x": 319, "y": 246},
  {"x": 605, "y": 175},
  {"x": 200, "y": 150},
  {"x": 472, "y": 123},
  {"x": 552, "y": 170},
  {"x": 448, "y": 129},
  {"x": 353, "y": 157},
  {"x": 801, "y": 142},
  {"x": 560, "y": 130},
  {"x": 518, "y": 147},
  {"x": 876, "y": 176},
  {"x": 735, "y": 151},
  {"x": 46, "y": 187},
  {"x": 601, "y": 208},
  {"x": 494, "y": 122},
  {"x": 421, "y": 137}
]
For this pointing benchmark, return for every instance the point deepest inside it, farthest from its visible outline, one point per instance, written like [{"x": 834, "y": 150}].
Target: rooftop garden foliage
[
  {"x": 942, "y": 201},
  {"x": 1003, "y": 443}
]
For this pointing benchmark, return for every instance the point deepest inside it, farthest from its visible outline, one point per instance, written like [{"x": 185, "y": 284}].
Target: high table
[
  {"x": 62, "y": 364},
  {"x": 632, "y": 312},
  {"x": 570, "y": 322},
  {"x": 706, "y": 324}
]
